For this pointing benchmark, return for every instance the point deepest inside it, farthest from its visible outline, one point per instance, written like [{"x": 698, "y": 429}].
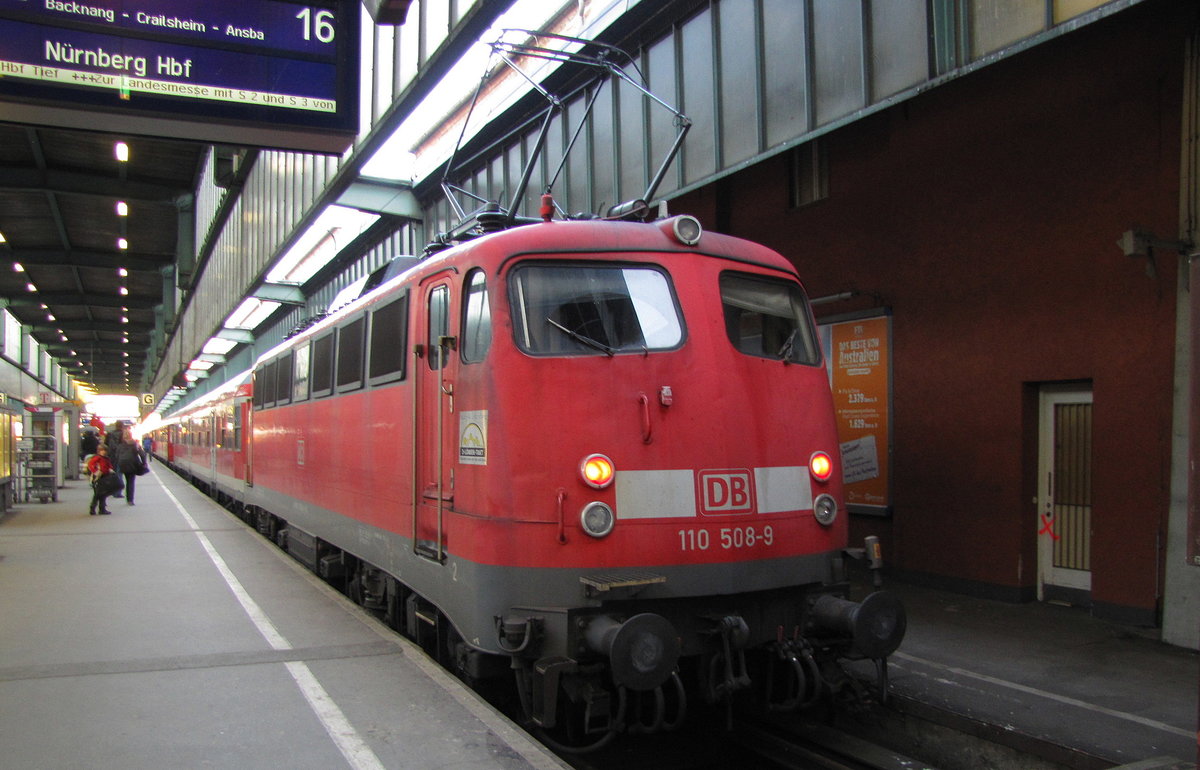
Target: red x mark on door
[{"x": 1048, "y": 527}]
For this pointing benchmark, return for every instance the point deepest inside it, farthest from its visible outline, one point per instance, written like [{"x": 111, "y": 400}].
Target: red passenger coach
[
  {"x": 208, "y": 443},
  {"x": 598, "y": 453}
]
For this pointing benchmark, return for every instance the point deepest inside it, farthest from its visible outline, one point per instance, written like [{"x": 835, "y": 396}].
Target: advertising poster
[{"x": 858, "y": 354}]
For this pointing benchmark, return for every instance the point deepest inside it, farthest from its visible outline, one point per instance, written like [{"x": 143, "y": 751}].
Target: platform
[
  {"x": 1049, "y": 680},
  {"x": 169, "y": 634}
]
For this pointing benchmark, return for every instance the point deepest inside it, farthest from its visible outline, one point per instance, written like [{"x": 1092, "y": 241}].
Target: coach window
[
  {"x": 768, "y": 318},
  {"x": 477, "y": 319},
  {"x": 236, "y": 420},
  {"x": 255, "y": 395},
  {"x": 439, "y": 324},
  {"x": 350, "y": 355},
  {"x": 224, "y": 418},
  {"x": 264, "y": 386},
  {"x": 283, "y": 380},
  {"x": 321, "y": 374},
  {"x": 389, "y": 340},
  {"x": 300, "y": 373}
]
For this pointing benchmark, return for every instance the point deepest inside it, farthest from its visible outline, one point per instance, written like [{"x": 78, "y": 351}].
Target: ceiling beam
[
  {"x": 288, "y": 294},
  {"x": 243, "y": 336},
  {"x": 141, "y": 302},
  {"x": 50, "y": 327},
  {"x": 381, "y": 197},
  {"x": 81, "y": 258},
  {"x": 77, "y": 183}
]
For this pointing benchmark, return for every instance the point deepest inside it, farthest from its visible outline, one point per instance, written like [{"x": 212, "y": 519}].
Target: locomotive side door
[
  {"x": 1065, "y": 495},
  {"x": 434, "y": 365}
]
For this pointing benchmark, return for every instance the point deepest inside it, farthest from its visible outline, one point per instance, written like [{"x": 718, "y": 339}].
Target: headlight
[
  {"x": 820, "y": 465},
  {"x": 597, "y": 519},
  {"x": 825, "y": 508},
  {"x": 683, "y": 229},
  {"x": 687, "y": 230},
  {"x": 597, "y": 471}
]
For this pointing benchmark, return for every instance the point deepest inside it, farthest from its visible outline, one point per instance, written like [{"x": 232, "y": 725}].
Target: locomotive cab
[{"x": 676, "y": 491}]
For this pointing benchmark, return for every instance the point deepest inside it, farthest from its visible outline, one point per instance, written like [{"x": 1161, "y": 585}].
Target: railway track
[
  {"x": 751, "y": 745},
  {"x": 801, "y": 747}
]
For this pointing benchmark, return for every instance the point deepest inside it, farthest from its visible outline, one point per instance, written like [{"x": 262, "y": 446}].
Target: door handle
[{"x": 647, "y": 428}]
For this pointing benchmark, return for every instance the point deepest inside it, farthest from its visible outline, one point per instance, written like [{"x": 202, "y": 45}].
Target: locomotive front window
[
  {"x": 593, "y": 310},
  {"x": 768, "y": 318}
]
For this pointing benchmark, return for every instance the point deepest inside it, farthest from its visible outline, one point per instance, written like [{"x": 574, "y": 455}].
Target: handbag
[
  {"x": 108, "y": 484},
  {"x": 142, "y": 468}
]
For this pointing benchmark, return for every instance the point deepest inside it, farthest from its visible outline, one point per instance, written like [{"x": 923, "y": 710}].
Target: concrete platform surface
[
  {"x": 170, "y": 635},
  {"x": 1050, "y": 675}
]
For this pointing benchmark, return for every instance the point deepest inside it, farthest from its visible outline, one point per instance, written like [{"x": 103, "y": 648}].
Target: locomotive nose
[
  {"x": 642, "y": 651},
  {"x": 876, "y": 625}
]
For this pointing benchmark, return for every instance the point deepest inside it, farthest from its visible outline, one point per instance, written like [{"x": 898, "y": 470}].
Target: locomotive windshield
[
  {"x": 768, "y": 318},
  {"x": 588, "y": 309}
]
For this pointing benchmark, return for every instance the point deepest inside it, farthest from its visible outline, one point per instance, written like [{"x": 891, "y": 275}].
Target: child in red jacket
[{"x": 100, "y": 466}]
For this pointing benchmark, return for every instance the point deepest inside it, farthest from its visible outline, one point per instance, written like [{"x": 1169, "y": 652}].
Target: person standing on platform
[
  {"x": 148, "y": 448},
  {"x": 87, "y": 444},
  {"x": 100, "y": 468},
  {"x": 130, "y": 460},
  {"x": 112, "y": 440}
]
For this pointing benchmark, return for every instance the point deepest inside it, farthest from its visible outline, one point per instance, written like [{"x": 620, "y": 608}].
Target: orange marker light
[
  {"x": 821, "y": 466},
  {"x": 597, "y": 471}
]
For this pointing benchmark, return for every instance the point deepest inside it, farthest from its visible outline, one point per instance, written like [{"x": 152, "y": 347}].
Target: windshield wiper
[
  {"x": 785, "y": 351},
  {"x": 591, "y": 343}
]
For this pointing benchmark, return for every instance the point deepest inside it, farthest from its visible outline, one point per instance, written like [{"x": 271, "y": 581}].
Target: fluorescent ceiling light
[
  {"x": 326, "y": 236},
  {"x": 452, "y": 91},
  {"x": 391, "y": 161},
  {"x": 218, "y": 347},
  {"x": 251, "y": 313}
]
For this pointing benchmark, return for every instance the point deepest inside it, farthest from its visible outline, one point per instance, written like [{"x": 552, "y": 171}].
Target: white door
[{"x": 1064, "y": 523}]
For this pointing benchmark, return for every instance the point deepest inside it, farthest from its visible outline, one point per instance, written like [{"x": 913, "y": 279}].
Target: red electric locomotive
[
  {"x": 594, "y": 452},
  {"x": 589, "y": 450}
]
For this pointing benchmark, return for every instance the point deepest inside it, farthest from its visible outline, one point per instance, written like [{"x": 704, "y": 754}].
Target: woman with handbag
[
  {"x": 105, "y": 480},
  {"x": 131, "y": 462}
]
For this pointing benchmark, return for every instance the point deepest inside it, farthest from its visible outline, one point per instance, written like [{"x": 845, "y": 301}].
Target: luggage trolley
[{"x": 37, "y": 468}]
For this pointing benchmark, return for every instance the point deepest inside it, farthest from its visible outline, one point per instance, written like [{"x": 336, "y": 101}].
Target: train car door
[
  {"x": 1065, "y": 495},
  {"x": 216, "y": 424},
  {"x": 242, "y": 412},
  {"x": 435, "y": 366}
]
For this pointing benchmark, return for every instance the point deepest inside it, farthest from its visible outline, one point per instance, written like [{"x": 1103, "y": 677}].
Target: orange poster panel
[{"x": 860, "y": 373}]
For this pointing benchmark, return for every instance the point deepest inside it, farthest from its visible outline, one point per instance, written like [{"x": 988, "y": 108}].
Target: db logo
[{"x": 726, "y": 491}]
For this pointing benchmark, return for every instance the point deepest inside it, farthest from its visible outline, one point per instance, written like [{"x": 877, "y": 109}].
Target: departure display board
[{"x": 272, "y": 73}]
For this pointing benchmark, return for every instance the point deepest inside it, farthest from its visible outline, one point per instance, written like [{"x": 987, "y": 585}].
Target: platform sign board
[
  {"x": 858, "y": 357},
  {"x": 272, "y": 73}
]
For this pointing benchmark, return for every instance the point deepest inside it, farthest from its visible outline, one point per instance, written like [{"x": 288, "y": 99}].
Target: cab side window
[
  {"x": 439, "y": 324},
  {"x": 477, "y": 319}
]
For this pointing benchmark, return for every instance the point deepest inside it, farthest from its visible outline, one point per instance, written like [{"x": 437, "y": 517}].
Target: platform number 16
[{"x": 319, "y": 24}]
